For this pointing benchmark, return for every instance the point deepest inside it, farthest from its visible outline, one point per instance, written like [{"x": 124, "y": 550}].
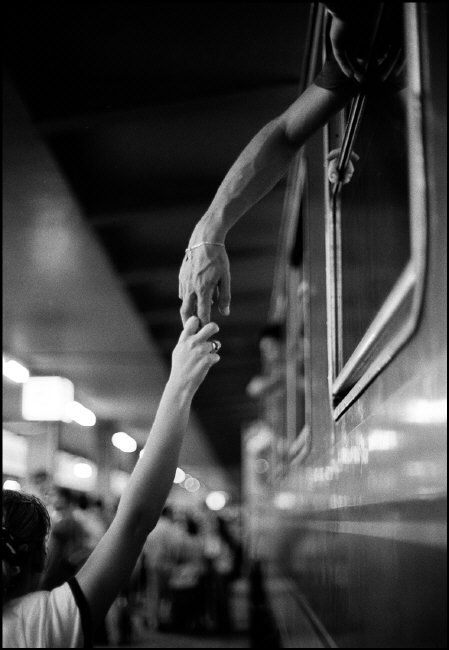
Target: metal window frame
[
  {"x": 296, "y": 443},
  {"x": 373, "y": 353}
]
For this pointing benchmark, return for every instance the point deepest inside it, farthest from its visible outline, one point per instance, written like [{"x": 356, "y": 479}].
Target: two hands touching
[
  {"x": 194, "y": 355},
  {"x": 204, "y": 278}
]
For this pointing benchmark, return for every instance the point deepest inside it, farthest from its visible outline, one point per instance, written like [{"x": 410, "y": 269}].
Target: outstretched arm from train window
[
  {"x": 110, "y": 565},
  {"x": 205, "y": 273}
]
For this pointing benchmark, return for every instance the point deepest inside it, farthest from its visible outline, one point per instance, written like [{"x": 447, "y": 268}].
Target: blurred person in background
[
  {"x": 40, "y": 483},
  {"x": 220, "y": 563},
  {"x": 68, "y": 542},
  {"x": 64, "y": 616},
  {"x": 272, "y": 348},
  {"x": 161, "y": 551},
  {"x": 88, "y": 515},
  {"x": 187, "y": 580}
]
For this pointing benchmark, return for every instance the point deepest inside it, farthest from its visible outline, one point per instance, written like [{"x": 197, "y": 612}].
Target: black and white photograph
[{"x": 224, "y": 255}]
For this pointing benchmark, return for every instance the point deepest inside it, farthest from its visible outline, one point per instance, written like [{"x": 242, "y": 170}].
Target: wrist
[
  {"x": 181, "y": 392},
  {"x": 209, "y": 228}
]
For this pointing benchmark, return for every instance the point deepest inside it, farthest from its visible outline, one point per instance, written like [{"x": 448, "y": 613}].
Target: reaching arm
[
  {"x": 110, "y": 565},
  {"x": 204, "y": 273}
]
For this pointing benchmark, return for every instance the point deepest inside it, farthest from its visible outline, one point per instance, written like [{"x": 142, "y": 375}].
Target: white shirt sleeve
[{"x": 43, "y": 619}]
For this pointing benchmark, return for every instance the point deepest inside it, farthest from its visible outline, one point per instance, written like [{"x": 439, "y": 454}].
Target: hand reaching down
[{"x": 204, "y": 277}]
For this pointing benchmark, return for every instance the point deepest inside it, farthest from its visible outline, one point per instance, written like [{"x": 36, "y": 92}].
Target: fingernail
[{"x": 226, "y": 311}]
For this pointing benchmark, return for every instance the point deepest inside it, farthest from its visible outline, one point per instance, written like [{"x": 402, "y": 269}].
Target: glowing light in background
[
  {"x": 285, "y": 500},
  {"x": 74, "y": 472},
  {"x": 426, "y": 411},
  {"x": 422, "y": 469},
  {"x": 9, "y": 484},
  {"x": 216, "y": 500},
  {"x": 192, "y": 484},
  {"x": 14, "y": 454},
  {"x": 124, "y": 442},
  {"x": 338, "y": 501},
  {"x": 180, "y": 475},
  {"x": 118, "y": 481},
  {"x": 82, "y": 470},
  {"x": 76, "y": 412},
  {"x": 382, "y": 440},
  {"x": 353, "y": 455},
  {"x": 15, "y": 371},
  {"x": 46, "y": 398}
]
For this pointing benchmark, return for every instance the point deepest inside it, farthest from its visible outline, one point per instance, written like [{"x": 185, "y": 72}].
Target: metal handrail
[{"x": 356, "y": 112}]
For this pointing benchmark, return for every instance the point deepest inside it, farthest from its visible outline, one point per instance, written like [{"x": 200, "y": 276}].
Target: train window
[
  {"x": 295, "y": 291},
  {"x": 375, "y": 233},
  {"x": 376, "y": 230},
  {"x": 289, "y": 305}
]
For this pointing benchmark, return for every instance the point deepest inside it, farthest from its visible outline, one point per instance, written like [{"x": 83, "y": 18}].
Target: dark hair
[
  {"x": 273, "y": 331},
  {"x": 66, "y": 494},
  {"x": 192, "y": 526},
  {"x": 83, "y": 502},
  {"x": 25, "y": 527}
]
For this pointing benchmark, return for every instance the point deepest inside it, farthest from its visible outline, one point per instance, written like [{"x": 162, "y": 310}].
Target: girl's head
[{"x": 25, "y": 527}]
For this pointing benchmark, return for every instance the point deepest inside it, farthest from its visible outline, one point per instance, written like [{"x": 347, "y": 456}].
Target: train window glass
[
  {"x": 376, "y": 230},
  {"x": 289, "y": 300},
  {"x": 296, "y": 421}
]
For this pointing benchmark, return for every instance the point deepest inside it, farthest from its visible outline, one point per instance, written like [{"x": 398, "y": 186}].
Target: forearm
[
  {"x": 112, "y": 561},
  {"x": 150, "y": 483},
  {"x": 265, "y": 160},
  {"x": 259, "y": 167},
  {"x": 109, "y": 566}
]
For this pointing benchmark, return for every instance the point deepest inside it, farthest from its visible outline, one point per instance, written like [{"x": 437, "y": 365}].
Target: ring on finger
[{"x": 216, "y": 345}]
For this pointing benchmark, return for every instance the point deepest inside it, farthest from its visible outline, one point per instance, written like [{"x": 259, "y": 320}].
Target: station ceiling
[{"x": 144, "y": 107}]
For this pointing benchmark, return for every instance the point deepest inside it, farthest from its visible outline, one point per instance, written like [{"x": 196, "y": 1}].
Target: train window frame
[
  {"x": 376, "y": 348},
  {"x": 297, "y": 292},
  {"x": 289, "y": 286}
]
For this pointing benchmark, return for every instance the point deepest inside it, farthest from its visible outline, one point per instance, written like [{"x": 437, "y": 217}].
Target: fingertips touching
[
  {"x": 204, "y": 306},
  {"x": 207, "y": 331},
  {"x": 187, "y": 308},
  {"x": 191, "y": 326}
]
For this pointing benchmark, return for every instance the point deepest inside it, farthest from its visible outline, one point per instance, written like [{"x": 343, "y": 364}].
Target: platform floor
[
  {"x": 169, "y": 640},
  {"x": 238, "y": 638}
]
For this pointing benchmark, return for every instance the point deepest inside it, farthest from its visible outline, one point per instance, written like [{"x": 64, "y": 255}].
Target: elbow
[
  {"x": 288, "y": 133},
  {"x": 280, "y": 138}
]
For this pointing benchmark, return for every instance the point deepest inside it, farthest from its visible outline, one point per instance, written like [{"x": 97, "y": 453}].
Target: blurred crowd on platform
[{"x": 182, "y": 580}]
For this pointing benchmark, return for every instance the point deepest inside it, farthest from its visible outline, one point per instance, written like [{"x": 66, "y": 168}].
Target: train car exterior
[{"x": 345, "y": 473}]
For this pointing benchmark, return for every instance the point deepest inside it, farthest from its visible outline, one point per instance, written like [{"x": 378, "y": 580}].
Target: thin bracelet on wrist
[{"x": 202, "y": 243}]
